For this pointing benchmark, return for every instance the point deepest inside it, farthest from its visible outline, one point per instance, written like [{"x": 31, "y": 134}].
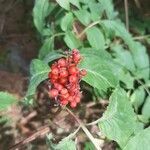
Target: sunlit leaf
[
  {"x": 71, "y": 40},
  {"x": 66, "y": 22},
  {"x": 140, "y": 141},
  {"x": 64, "y": 4},
  {"x": 95, "y": 38},
  {"x": 119, "y": 120}
]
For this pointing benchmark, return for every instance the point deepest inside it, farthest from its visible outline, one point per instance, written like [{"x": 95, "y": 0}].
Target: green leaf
[
  {"x": 138, "y": 51},
  {"x": 71, "y": 40},
  {"x": 137, "y": 98},
  {"x": 46, "y": 47},
  {"x": 96, "y": 10},
  {"x": 99, "y": 74},
  {"x": 115, "y": 68},
  {"x": 108, "y": 6},
  {"x": 66, "y": 22},
  {"x": 39, "y": 72},
  {"x": 66, "y": 145},
  {"x": 40, "y": 12},
  {"x": 75, "y": 3},
  {"x": 64, "y": 4},
  {"x": 89, "y": 146},
  {"x": 140, "y": 141},
  {"x": 119, "y": 120},
  {"x": 83, "y": 16},
  {"x": 121, "y": 56},
  {"x": 141, "y": 60},
  {"x": 6, "y": 100},
  {"x": 126, "y": 78},
  {"x": 95, "y": 38},
  {"x": 52, "y": 56},
  {"x": 146, "y": 108}
]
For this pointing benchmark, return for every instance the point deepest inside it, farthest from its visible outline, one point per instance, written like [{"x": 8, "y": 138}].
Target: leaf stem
[
  {"x": 58, "y": 34},
  {"x": 88, "y": 27},
  {"x": 146, "y": 89},
  {"x": 90, "y": 136},
  {"x": 141, "y": 37}
]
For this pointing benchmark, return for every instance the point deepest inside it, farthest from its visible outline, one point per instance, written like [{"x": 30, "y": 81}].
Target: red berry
[
  {"x": 83, "y": 72},
  {"x": 75, "y": 51},
  {"x": 64, "y": 91},
  {"x": 54, "y": 65},
  {"x": 70, "y": 60},
  {"x": 64, "y": 102},
  {"x": 63, "y": 81},
  {"x": 65, "y": 95},
  {"x": 53, "y": 81},
  {"x": 72, "y": 79},
  {"x": 77, "y": 58},
  {"x": 77, "y": 99},
  {"x": 70, "y": 98},
  {"x": 53, "y": 93},
  {"x": 62, "y": 62},
  {"x": 63, "y": 73},
  {"x": 73, "y": 104},
  {"x": 73, "y": 70},
  {"x": 55, "y": 77},
  {"x": 58, "y": 86},
  {"x": 55, "y": 71}
]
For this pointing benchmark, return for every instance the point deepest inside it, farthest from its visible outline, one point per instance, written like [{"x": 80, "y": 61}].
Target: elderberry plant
[{"x": 112, "y": 61}]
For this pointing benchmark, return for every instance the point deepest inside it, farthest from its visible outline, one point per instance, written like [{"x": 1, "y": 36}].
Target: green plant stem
[
  {"x": 141, "y": 37},
  {"x": 88, "y": 27},
  {"x": 72, "y": 134},
  {"x": 94, "y": 122},
  {"x": 90, "y": 136},
  {"x": 57, "y": 34},
  {"x": 126, "y": 14},
  {"x": 146, "y": 89}
]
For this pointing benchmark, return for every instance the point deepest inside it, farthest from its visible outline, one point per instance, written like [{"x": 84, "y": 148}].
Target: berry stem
[{"x": 87, "y": 132}]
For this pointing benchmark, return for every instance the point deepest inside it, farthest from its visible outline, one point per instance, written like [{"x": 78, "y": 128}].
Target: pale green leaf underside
[
  {"x": 140, "y": 141},
  {"x": 6, "y": 100},
  {"x": 119, "y": 120}
]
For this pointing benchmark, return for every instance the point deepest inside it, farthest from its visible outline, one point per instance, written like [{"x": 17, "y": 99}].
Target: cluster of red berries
[{"x": 65, "y": 77}]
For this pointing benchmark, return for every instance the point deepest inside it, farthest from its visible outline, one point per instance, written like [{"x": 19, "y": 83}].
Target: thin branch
[
  {"x": 146, "y": 89},
  {"x": 94, "y": 122},
  {"x": 41, "y": 132},
  {"x": 126, "y": 14},
  {"x": 88, "y": 27},
  {"x": 141, "y": 37},
  {"x": 90, "y": 136},
  {"x": 138, "y": 4},
  {"x": 58, "y": 34}
]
